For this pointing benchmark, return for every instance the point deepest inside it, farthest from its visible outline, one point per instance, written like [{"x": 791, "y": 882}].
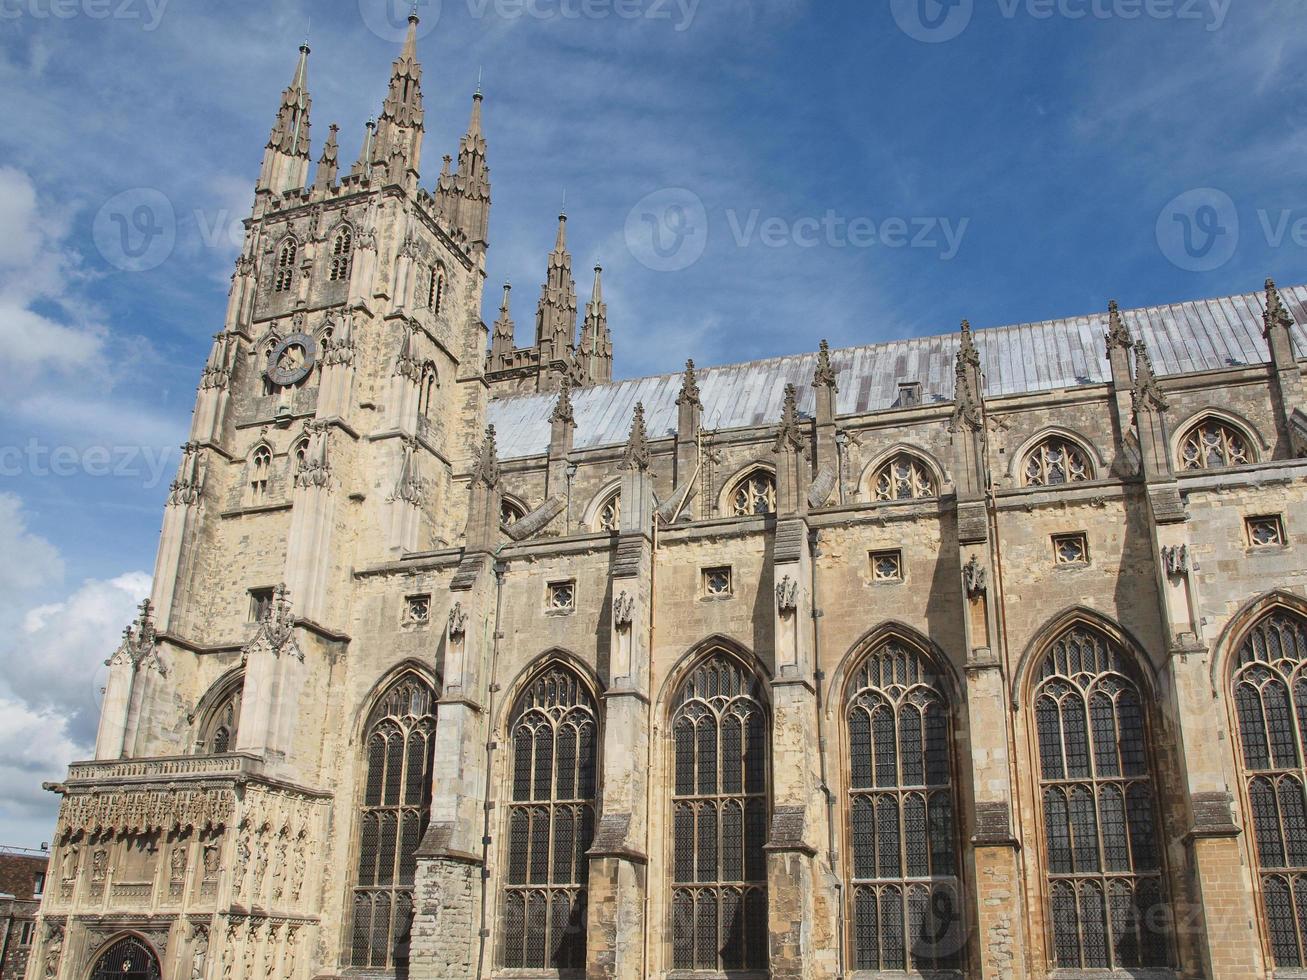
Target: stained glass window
[
  {"x": 1106, "y": 893},
  {"x": 1054, "y": 462},
  {"x": 904, "y": 477},
  {"x": 719, "y": 820},
  {"x": 904, "y": 897},
  {"x": 754, "y": 494},
  {"x": 1211, "y": 444},
  {"x": 394, "y": 813},
  {"x": 550, "y": 823},
  {"x": 1270, "y": 696}
]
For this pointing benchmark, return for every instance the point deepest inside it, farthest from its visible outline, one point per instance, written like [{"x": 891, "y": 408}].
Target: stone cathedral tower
[{"x": 976, "y": 655}]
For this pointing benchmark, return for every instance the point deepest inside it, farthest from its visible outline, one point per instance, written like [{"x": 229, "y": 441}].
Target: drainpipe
[{"x": 491, "y": 687}]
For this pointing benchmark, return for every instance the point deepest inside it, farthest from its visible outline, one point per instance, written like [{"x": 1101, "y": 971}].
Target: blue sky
[{"x": 855, "y": 171}]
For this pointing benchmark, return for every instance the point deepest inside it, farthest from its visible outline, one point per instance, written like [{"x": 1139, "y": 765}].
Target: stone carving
[
  {"x": 71, "y": 861},
  {"x": 457, "y": 622},
  {"x": 54, "y": 951},
  {"x": 789, "y": 436},
  {"x": 315, "y": 469},
  {"x": 1146, "y": 396},
  {"x": 637, "y": 455},
  {"x": 199, "y": 950},
  {"x": 486, "y": 469},
  {"x": 787, "y": 596},
  {"x": 409, "y": 487},
  {"x": 623, "y": 611},
  {"x": 338, "y": 348},
  {"x": 189, "y": 485},
  {"x": 1118, "y": 334},
  {"x": 1175, "y": 559},
  {"x": 218, "y": 368},
  {"x": 99, "y": 864},
  {"x": 974, "y": 578},
  {"x": 1276, "y": 316},
  {"x": 297, "y": 870},
  {"x": 140, "y": 644},
  {"x": 824, "y": 376},
  {"x": 276, "y": 634},
  {"x": 407, "y": 363},
  {"x": 177, "y": 863},
  {"x": 563, "y": 411},
  {"x": 689, "y": 394},
  {"x": 139, "y": 811}
]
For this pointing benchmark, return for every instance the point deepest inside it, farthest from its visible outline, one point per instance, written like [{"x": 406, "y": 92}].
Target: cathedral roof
[{"x": 1183, "y": 338}]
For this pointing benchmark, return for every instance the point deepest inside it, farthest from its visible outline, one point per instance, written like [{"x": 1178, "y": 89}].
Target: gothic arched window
[
  {"x": 754, "y": 494},
  {"x": 1270, "y": 699},
  {"x": 342, "y": 252},
  {"x": 127, "y": 959},
  {"x": 427, "y": 390},
  {"x": 904, "y": 477},
  {"x": 719, "y": 819},
  {"x": 284, "y": 274},
  {"x": 509, "y": 512},
  {"x": 260, "y": 468},
  {"x": 610, "y": 514},
  {"x": 1107, "y": 895},
  {"x": 1055, "y": 461},
  {"x": 392, "y": 818},
  {"x": 218, "y": 734},
  {"x": 904, "y": 900},
  {"x": 1212, "y": 444},
  {"x": 436, "y": 290},
  {"x": 299, "y": 455},
  {"x": 550, "y": 823}
]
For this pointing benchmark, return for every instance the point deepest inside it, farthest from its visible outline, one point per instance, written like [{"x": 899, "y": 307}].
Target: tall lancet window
[
  {"x": 342, "y": 253},
  {"x": 284, "y": 274},
  {"x": 905, "y": 900},
  {"x": 1105, "y": 885},
  {"x": 395, "y": 809},
  {"x": 719, "y": 819},
  {"x": 550, "y": 823},
  {"x": 222, "y": 721},
  {"x": 436, "y": 290},
  {"x": 1270, "y": 697}
]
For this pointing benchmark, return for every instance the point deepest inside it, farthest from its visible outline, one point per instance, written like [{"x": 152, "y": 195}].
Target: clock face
[{"x": 292, "y": 360}]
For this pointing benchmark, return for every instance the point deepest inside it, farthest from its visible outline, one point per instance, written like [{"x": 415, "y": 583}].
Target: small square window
[
  {"x": 260, "y": 604},
  {"x": 887, "y": 566},
  {"x": 717, "y": 583},
  {"x": 417, "y": 610},
  {"x": 1071, "y": 549},
  {"x": 1266, "y": 531},
  {"x": 562, "y": 596},
  {"x": 909, "y": 394}
]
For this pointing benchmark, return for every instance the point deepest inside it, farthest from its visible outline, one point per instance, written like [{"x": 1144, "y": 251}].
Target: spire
[
  {"x": 824, "y": 376},
  {"x": 1276, "y": 315},
  {"x": 503, "y": 341},
  {"x": 399, "y": 131},
  {"x": 329, "y": 164},
  {"x": 637, "y": 455},
  {"x": 556, "y": 312},
  {"x": 1118, "y": 334},
  {"x": 790, "y": 433},
  {"x": 563, "y": 408},
  {"x": 485, "y": 471},
  {"x": 1147, "y": 395},
  {"x": 464, "y": 198},
  {"x": 596, "y": 342},
  {"x": 286, "y": 157},
  {"x": 967, "y": 394},
  {"x": 364, "y": 163},
  {"x": 689, "y": 387}
]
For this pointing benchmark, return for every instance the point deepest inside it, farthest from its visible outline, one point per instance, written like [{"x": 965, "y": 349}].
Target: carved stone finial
[
  {"x": 188, "y": 488},
  {"x": 966, "y": 392},
  {"x": 1118, "y": 334},
  {"x": 276, "y": 633},
  {"x": 623, "y": 611},
  {"x": 824, "y": 376},
  {"x": 790, "y": 433},
  {"x": 1147, "y": 395},
  {"x": 689, "y": 387},
  {"x": 973, "y": 578},
  {"x": 787, "y": 596},
  {"x": 1175, "y": 559},
  {"x": 563, "y": 409},
  {"x": 637, "y": 455},
  {"x": 486, "y": 468},
  {"x": 407, "y": 364},
  {"x": 967, "y": 349},
  {"x": 409, "y": 487},
  {"x": 315, "y": 470},
  {"x": 140, "y": 643},
  {"x": 1276, "y": 315}
]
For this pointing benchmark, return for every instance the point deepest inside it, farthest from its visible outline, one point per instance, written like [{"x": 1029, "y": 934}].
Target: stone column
[
  {"x": 615, "y": 942},
  {"x": 803, "y": 938}
]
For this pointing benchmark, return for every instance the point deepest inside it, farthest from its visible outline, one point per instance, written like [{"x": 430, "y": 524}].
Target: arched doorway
[{"x": 127, "y": 959}]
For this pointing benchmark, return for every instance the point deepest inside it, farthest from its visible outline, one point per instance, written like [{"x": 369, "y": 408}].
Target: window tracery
[
  {"x": 550, "y": 823},
  {"x": 755, "y": 494},
  {"x": 904, "y": 477},
  {"x": 284, "y": 274},
  {"x": 342, "y": 255},
  {"x": 1270, "y": 701},
  {"x": 1212, "y": 444},
  {"x": 1055, "y": 461},
  {"x": 260, "y": 468},
  {"x": 1107, "y": 895},
  {"x": 220, "y": 729},
  {"x": 392, "y": 818},
  {"x": 610, "y": 514},
  {"x": 719, "y": 820},
  {"x": 905, "y": 901}
]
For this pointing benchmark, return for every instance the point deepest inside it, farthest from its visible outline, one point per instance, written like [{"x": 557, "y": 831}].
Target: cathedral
[{"x": 981, "y": 655}]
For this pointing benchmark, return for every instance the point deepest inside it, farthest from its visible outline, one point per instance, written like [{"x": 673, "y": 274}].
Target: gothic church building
[{"x": 980, "y": 655}]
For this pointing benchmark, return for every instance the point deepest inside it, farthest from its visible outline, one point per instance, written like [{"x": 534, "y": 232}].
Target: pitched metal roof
[{"x": 1183, "y": 338}]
